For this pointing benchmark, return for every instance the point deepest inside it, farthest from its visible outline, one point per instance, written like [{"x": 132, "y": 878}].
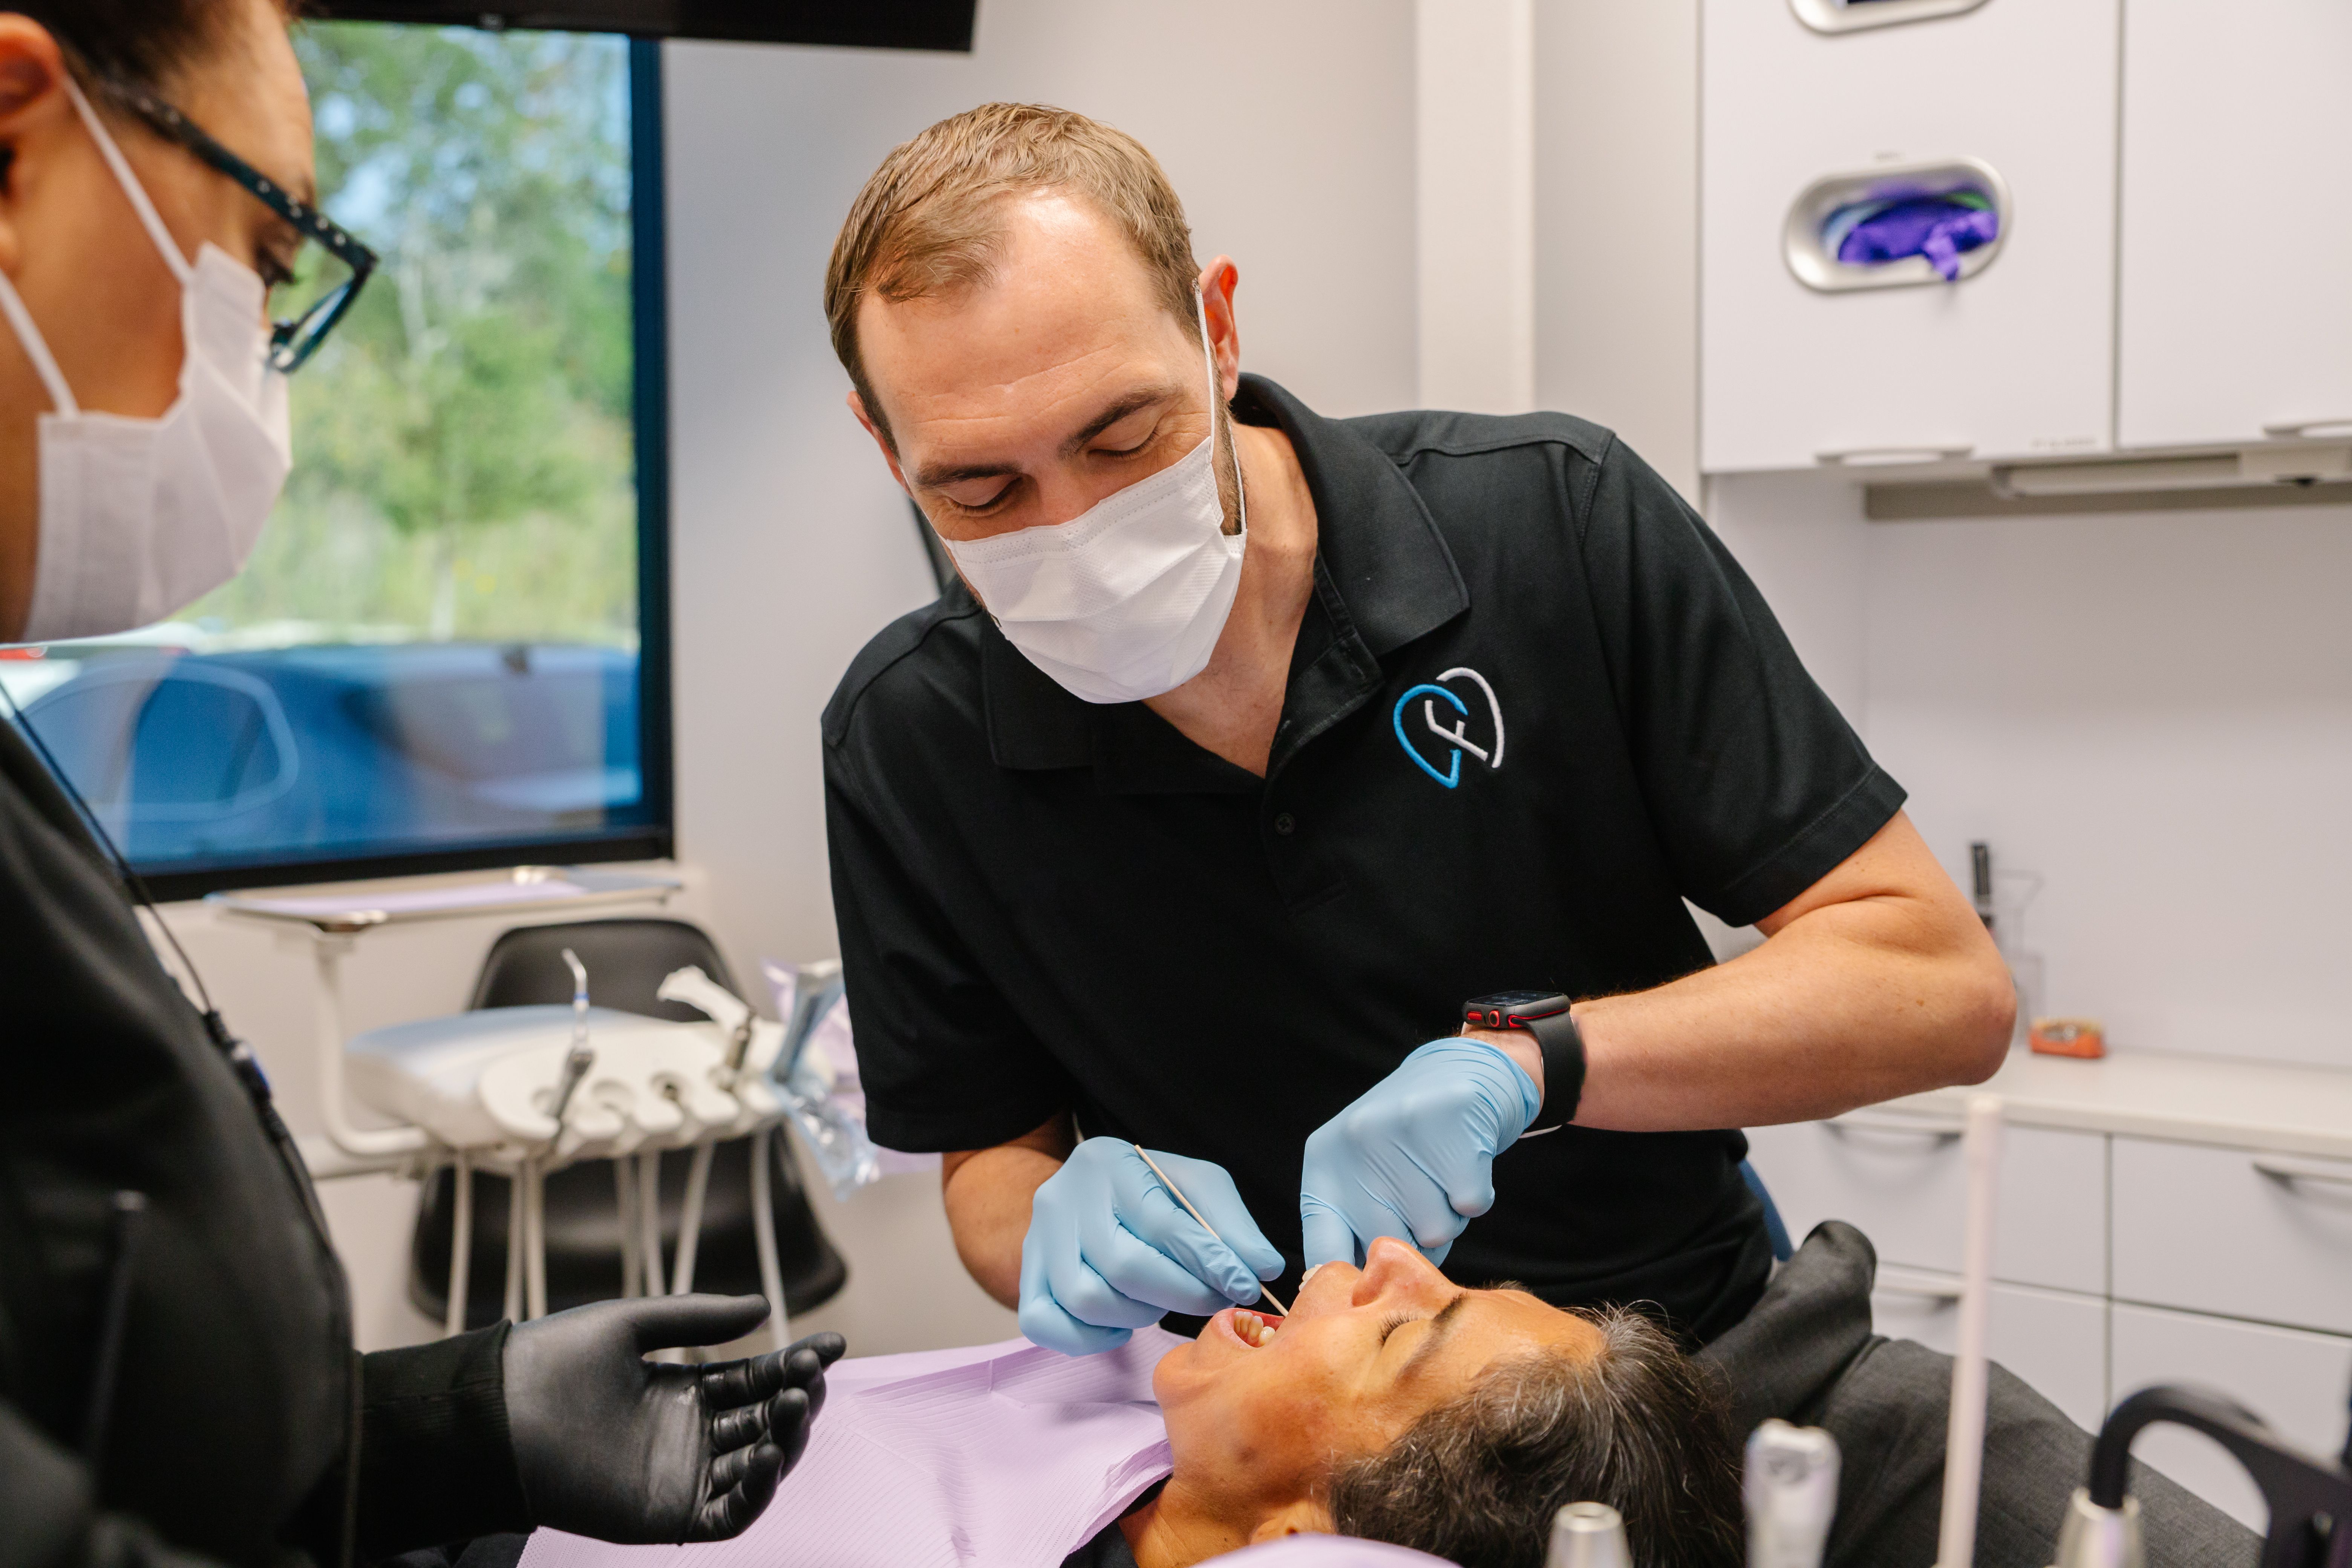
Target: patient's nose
[{"x": 1395, "y": 1271}]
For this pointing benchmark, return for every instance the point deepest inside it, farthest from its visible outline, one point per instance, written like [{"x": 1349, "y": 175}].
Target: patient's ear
[{"x": 1304, "y": 1516}]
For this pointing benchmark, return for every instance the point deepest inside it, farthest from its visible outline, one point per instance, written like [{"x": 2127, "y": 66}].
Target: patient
[
  {"x": 1395, "y": 1405},
  {"x": 1391, "y": 1404}
]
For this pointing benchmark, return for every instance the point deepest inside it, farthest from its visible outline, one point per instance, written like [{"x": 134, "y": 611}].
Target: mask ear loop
[
  {"x": 1209, "y": 353},
  {"x": 36, "y": 349},
  {"x": 115, "y": 160}
]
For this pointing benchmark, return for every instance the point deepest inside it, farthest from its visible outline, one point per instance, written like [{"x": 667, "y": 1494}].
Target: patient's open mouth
[{"x": 1255, "y": 1329}]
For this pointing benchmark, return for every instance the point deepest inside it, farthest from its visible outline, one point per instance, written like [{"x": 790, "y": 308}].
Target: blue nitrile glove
[
  {"x": 1108, "y": 1249},
  {"x": 1414, "y": 1157}
]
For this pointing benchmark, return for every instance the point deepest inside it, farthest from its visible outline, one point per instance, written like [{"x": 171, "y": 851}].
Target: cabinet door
[
  {"x": 2229, "y": 1231},
  {"x": 2293, "y": 1380},
  {"x": 2055, "y": 1341},
  {"x": 1902, "y": 1183},
  {"x": 2237, "y": 240},
  {"x": 2014, "y": 360}
]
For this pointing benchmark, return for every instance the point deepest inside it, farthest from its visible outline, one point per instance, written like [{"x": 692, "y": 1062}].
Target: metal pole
[
  {"x": 689, "y": 1221},
  {"x": 764, "y": 1232},
  {"x": 624, "y": 1215},
  {"x": 535, "y": 1219},
  {"x": 514, "y": 1248},
  {"x": 461, "y": 1241}
]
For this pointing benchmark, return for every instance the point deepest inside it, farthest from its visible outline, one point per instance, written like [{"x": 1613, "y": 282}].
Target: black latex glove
[{"x": 613, "y": 1445}]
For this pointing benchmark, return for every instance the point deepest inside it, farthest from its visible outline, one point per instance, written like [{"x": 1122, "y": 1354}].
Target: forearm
[
  {"x": 988, "y": 1192},
  {"x": 1880, "y": 981}
]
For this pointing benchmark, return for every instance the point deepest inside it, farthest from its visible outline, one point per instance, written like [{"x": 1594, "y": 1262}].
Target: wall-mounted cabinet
[
  {"x": 2002, "y": 104},
  {"x": 2236, "y": 319}
]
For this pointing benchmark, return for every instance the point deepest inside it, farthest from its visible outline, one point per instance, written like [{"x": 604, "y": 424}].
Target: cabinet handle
[
  {"x": 1889, "y": 456},
  {"x": 1845, "y": 1126},
  {"x": 1922, "y": 1289},
  {"x": 2281, "y": 1168},
  {"x": 2309, "y": 427}
]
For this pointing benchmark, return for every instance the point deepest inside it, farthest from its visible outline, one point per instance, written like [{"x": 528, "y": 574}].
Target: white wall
[
  {"x": 1616, "y": 162},
  {"x": 1288, "y": 129}
]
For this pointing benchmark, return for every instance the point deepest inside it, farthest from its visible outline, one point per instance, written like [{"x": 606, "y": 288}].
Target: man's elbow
[{"x": 1984, "y": 1014}]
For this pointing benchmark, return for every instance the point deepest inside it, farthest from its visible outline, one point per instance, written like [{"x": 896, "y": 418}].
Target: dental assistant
[
  {"x": 177, "y": 1379},
  {"x": 1255, "y": 751}
]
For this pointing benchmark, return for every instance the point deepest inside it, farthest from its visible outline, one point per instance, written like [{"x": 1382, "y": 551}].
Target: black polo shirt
[{"x": 1534, "y": 705}]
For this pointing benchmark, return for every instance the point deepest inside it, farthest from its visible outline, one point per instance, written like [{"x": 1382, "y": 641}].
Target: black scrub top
[
  {"x": 1533, "y": 707},
  {"x": 242, "y": 1427}
]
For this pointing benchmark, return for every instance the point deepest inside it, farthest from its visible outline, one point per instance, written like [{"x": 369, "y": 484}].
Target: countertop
[{"x": 2191, "y": 1100}]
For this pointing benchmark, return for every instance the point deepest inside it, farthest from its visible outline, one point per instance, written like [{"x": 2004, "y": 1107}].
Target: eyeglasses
[{"x": 328, "y": 285}]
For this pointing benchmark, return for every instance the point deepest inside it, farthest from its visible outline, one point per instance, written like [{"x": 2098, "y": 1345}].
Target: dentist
[
  {"x": 177, "y": 1380},
  {"x": 1314, "y": 801}
]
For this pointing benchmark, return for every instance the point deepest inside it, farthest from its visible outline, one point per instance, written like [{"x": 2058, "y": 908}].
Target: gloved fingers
[
  {"x": 1074, "y": 1285},
  {"x": 1425, "y": 1199},
  {"x": 731, "y": 1429},
  {"x": 805, "y": 1364},
  {"x": 1047, "y": 1322},
  {"x": 1211, "y": 1188},
  {"x": 1327, "y": 1237},
  {"x": 664, "y": 1322},
  {"x": 742, "y": 1483},
  {"x": 1136, "y": 1269},
  {"x": 791, "y": 1414}
]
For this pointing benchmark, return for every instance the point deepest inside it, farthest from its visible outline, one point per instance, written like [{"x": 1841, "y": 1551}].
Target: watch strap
[{"x": 1562, "y": 1044}]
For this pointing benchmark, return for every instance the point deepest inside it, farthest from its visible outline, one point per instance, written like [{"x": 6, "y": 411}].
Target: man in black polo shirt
[{"x": 1251, "y": 749}]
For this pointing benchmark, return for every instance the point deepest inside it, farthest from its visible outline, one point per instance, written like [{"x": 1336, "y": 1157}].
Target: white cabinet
[
  {"x": 2015, "y": 359},
  {"x": 2236, "y": 237},
  {"x": 1901, "y": 1182},
  {"x": 2055, "y": 1341},
  {"x": 2294, "y": 1381},
  {"x": 2267, "y": 1237}
]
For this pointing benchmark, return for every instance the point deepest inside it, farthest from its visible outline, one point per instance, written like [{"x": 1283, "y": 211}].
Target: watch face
[{"x": 1504, "y": 1009}]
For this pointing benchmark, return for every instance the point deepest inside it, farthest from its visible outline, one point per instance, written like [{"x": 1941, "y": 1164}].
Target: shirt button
[{"x": 1285, "y": 824}]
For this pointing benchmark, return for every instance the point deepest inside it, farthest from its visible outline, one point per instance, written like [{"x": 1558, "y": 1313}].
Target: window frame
[{"x": 655, "y": 838}]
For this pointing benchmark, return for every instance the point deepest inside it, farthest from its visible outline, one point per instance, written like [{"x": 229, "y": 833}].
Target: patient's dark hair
[{"x": 1640, "y": 1426}]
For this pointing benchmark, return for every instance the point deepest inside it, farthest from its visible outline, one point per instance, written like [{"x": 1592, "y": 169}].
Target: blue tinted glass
[{"x": 435, "y": 646}]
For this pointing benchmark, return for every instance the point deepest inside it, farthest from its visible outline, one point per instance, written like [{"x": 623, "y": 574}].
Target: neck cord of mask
[{"x": 240, "y": 1055}]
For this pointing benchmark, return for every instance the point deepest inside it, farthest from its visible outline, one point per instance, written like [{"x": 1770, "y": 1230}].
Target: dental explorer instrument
[{"x": 1178, "y": 1193}]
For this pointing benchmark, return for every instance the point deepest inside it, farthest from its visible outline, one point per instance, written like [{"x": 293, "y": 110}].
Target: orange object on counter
[{"x": 2085, "y": 1037}]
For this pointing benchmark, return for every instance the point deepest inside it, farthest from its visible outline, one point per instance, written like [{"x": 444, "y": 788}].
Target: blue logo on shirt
[{"x": 1456, "y": 739}]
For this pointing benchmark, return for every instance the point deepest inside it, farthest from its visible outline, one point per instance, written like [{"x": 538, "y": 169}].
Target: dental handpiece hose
[{"x": 579, "y": 1058}]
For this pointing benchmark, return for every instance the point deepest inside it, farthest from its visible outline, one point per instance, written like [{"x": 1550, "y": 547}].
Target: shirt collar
[{"x": 1378, "y": 550}]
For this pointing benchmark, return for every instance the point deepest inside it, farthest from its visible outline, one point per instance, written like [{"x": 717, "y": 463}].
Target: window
[{"x": 449, "y": 647}]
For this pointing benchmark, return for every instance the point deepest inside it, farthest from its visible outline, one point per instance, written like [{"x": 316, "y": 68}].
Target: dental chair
[{"x": 626, "y": 960}]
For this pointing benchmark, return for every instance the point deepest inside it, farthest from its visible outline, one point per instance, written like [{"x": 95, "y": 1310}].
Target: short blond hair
[{"x": 930, "y": 220}]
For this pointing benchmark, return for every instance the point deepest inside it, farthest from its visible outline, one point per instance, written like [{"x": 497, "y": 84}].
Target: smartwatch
[{"x": 1545, "y": 1015}]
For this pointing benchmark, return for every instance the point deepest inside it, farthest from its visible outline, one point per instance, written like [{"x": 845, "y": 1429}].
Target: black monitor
[{"x": 867, "y": 23}]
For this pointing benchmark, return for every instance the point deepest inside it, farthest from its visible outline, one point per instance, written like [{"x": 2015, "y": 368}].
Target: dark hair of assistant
[
  {"x": 1640, "y": 1426},
  {"x": 133, "y": 43}
]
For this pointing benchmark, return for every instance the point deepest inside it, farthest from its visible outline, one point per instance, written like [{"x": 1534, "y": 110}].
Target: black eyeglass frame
[{"x": 291, "y": 344}]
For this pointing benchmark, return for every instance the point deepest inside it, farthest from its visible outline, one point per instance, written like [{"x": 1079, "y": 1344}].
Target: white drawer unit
[
  {"x": 2266, "y": 1237},
  {"x": 2293, "y": 1380},
  {"x": 2235, "y": 319},
  {"x": 2055, "y": 1341},
  {"x": 2014, "y": 359},
  {"x": 1899, "y": 1179}
]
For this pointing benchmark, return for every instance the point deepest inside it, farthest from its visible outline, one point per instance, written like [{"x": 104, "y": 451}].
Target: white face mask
[
  {"x": 139, "y": 517},
  {"x": 1125, "y": 600}
]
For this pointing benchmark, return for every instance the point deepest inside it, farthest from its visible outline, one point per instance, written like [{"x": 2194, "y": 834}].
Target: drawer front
[
  {"x": 2222, "y": 1230},
  {"x": 2292, "y": 1379},
  {"x": 1905, "y": 1187},
  {"x": 2055, "y": 1341}
]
